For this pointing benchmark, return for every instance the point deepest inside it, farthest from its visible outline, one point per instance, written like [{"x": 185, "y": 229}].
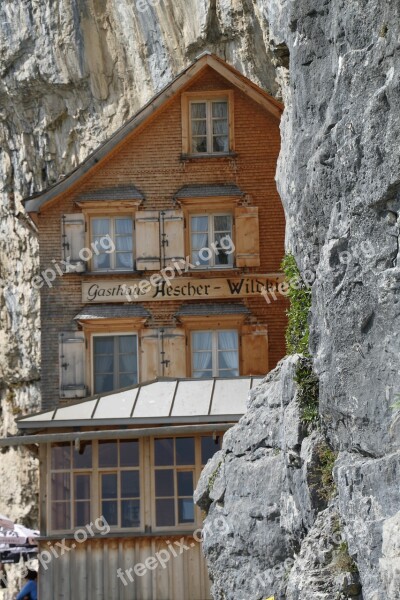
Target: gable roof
[{"x": 34, "y": 203}]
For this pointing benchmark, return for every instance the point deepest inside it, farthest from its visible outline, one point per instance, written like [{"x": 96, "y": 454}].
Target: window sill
[
  {"x": 111, "y": 272},
  {"x": 225, "y": 155},
  {"x": 127, "y": 533}
]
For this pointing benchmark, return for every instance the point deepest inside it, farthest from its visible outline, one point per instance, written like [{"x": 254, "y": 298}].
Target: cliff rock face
[
  {"x": 70, "y": 74},
  {"x": 339, "y": 182}
]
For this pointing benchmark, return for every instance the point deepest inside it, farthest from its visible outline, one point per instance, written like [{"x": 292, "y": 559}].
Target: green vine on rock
[{"x": 297, "y": 338}]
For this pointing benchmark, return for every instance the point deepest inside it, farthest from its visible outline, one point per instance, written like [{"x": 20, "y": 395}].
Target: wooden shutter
[
  {"x": 247, "y": 238},
  {"x": 174, "y": 341},
  {"x": 150, "y": 355},
  {"x": 73, "y": 240},
  {"x": 254, "y": 350},
  {"x": 72, "y": 365},
  {"x": 147, "y": 223},
  {"x": 172, "y": 236}
]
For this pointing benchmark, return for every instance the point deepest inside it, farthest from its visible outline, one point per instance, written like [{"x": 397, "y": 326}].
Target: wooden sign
[{"x": 179, "y": 288}]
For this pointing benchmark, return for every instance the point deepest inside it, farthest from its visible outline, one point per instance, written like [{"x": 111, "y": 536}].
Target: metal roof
[
  {"x": 210, "y": 309},
  {"x": 157, "y": 402},
  {"x": 109, "y": 311},
  {"x": 208, "y": 190},
  {"x": 127, "y": 192}
]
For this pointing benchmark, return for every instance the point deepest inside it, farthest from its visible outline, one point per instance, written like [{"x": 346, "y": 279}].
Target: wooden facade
[{"x": 160, "y": 258}]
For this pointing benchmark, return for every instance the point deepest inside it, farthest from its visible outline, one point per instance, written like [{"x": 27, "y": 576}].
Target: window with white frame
[
  {"x": 119, "y": 482},
  {"x": 70, "y": 486},
  {"x": 120, "y": 231},
  {"x": 209, "y": 126},
  {"x": 211, "y": 240},
  {"x": 215, "y": 353},
  {"x": 115, "y": 362}
]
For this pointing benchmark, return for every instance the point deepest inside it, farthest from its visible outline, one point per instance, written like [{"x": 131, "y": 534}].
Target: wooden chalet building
[{"x": 155, "y": 253}]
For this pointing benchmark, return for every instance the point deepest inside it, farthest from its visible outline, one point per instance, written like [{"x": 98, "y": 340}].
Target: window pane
[
  {"x": 103, "y": 383},
  {"x": 220, "y": 128},
  {"x": 199, "y": 224},
  {"x": 124, "y": 261},
  {"x": 227, "y": 340},
  {"x": 164, "y": 482},
  {"x": 223, "y": 223},
  {"x": 83, "y": 458},
  {"x": 101, "y": 261},
  {"x": 208, "y": 448},
  {"x": 101, "y": 227},
  {"x": 109, "y": 487},
  {"x": 129, "y": 453},
  {"x": 104, "y": 363},
  {"x": 60, "y": 515},
  {"x": 60, "y": 486},
  {"x": 127, "y": 344},
  {"x": 130, "y": 513},
  {"x": 82, "y": 487},
  {"x": 130, "y": 484},
  {"x": 108, "y": 454},
  {"x": 110, "y": 512},
  {"x": 61, "y": 456},
  {"x": 220, "y": 110},
  {"x": 123, "y": 227},
  {"x": 220, "y": 144},
  {"x": 185, "y": 510},
  {"x": 127, "y": 380},
  {"x": 127, "y": 363},
  {"x": 103, "y": 345},
  {"x": 164, "y": 452},
  {"x": 199, "y": 144},
  {"x": 199, "y": 128},
  {"x": 185, "y": 483},
  {"x": 198, "y": 110},
  {"x": 82, "y": 513},
  {"x": 202, "y": 340},
  {"x": 184, "y": 451},
  {"x": 165, "y": 513},
  {"x": 227, "y": 360}
]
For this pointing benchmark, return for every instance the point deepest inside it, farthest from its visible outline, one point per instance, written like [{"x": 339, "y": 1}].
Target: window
[
  {"x": 127, "y": 484},
  {"x": 174, "y": 471},
  {"x": 115, "y": 362},
  {"x": 209, "y": 126},
  {"x": 211, "y": 240},
  {"x": 120, "y": 230},
  {"x": 70, "y": 486},
  {"x": 215, "y": 353},
  {"x": 119, "y": 478}
]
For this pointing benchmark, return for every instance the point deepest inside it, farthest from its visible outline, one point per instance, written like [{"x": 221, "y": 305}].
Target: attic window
[{"x": 207, "y": 123}]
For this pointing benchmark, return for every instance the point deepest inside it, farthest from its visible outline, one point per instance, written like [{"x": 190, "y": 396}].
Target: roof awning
[
  {"x": 208, "y": 191},
  {"x": 211, "y": 309},
  {"x": 163, "y": 401},
  {"x": 109, "y": 311},
  {"x": 126, "y": 192}
]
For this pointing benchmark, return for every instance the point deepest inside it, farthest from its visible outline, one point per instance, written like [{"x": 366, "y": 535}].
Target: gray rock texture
[{"x": 338, "y": 176}]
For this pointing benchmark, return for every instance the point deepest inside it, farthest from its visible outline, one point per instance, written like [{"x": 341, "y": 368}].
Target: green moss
[
  {"x": 299, "y": 294},
  {"x": 343, "y": 561},
  {"x": 213, "y": 476},
  {"x": 297, "y": 337},
  {"x": 327, "y": 459}
]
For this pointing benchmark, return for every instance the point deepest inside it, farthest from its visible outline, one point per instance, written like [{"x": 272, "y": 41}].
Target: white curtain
[
  {"x": 220, "y": 126},
  {"x": 123, "y": 243},
  {"x": 199, "y": 233},
  {"x": 202, "y": 353},
  {"x": 228, "y": 351}
]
